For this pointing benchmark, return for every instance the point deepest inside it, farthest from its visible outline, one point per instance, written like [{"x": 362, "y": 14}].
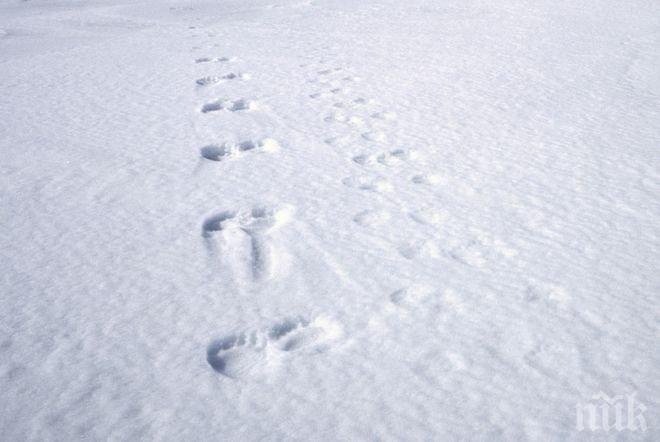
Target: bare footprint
[
  {"x": 218, "y": 79},
  {"x": 367, "y": 183},
  {"x": 257, "y": 223},
  {"x": 429, "y": 179},
  {"x": 229, "y": 105},
  {"x": 257, "y": 352},
  {"x": 226, "y": 151},
  {"x": 389, "y": 158},
  {"x": 216, "y": 59},
  {"x": 372, "y": 217},
  {"x": 385, "y": 115}
]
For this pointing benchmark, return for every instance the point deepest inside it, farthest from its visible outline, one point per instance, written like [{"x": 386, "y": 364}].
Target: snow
[{"x": 327, "y": 219}]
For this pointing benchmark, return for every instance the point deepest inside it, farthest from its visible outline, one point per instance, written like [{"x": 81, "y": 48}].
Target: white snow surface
[{"x": 327, "y": 219}]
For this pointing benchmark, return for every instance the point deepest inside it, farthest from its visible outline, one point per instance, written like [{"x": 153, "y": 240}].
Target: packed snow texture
[{"x": 327, "y": 219}]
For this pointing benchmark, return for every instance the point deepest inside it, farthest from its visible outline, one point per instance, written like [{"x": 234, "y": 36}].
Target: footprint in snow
[
  {"x": 226, "y": 151},
  {"x": 547, "y": 292},
  {"x": 429, "y": 179},
  {"x": 372, "y": 217},
  {"x": 257, "y": 223},
  {"x": 420, "y": 249},
  {"x": 338, "y": 140},
  {"x": 323, "y": 94},
  {"x": 257, "y": 352},
  {"x": 385, "y": 115},
  {"x": 476, "y": 252},
  {"x": 429, "y": 216},
  {"x": 480, "y": 249},
  {"x": 363, "y": 101},
  {"x": 330, "y": 71},
  {"x": 339, "y": 117},
  {"x": 375, "y": 136},
  {"x": 354, "y": 104},
  {"x": 232, "y": 106},
  {"x": 412, "y": 303},
  {"x": 367, "y": 183},
  {"x": 335, "y": 89},
  {"x": 217, "y": 59},
  {"x": 411, "y": 295},
  {"x": 215, "y": 79},
  {"x": 390, "y": 158}
]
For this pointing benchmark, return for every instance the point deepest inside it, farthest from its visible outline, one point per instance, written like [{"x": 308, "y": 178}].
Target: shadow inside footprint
[
  {"x": 213, "y": 152},
  {"x": 238, "y": 355},
  {"x": 214, "y": 223},
  {"x": 247, "y": 145},
  {"x": 215, "y": 351},
  {"x": 239, "y": 105},
  {"x": 285, "y": 327},
  {"x": 260, "y": 220},
  {"x": 212, "y": 107},
  {"x": 293, "y": 334},
  {"x": 258, "y": 352}
]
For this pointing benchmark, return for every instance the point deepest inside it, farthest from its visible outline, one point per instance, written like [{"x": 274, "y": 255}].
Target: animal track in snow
[
  {"x": 363, "y": 101},
  {"x": 256, "y": 223},
  {"x": 416, "y": 249},
  {"x": 429, "y": 179},
  {"x": 412, "y": 294},
  {"x": 385, "y": 115},
  {"x": 475, "y": 252},
  {"x": 216, "y": 59},
  {"x": 329, "y": 71},
  {"x": 215, "y": 79},
  {"x": 366, "y": 183},
  {"x": 323, "y": 94},
  {"x": 386, "y": 158},
  {"x": 375, "y": 136},
  {"x": 357, "y": 103},
  {"x": 342, "y": 118},
  {"x": 470, "y": 253},
  {"x": 232, "y": 106},
  {"x": 429, "y": 216},
  {"x": 479, "y": 250},
  {"x": 257, "y": 352},
  {"x": 547, "y": 292},
  {"x": 337, "y": 141},
  {"x": 410, "y": 304},
  {"x": 372, "y": 217},
  {"x": 330, "y": 93},
  {"x": 225, "y": 151},
  {"x": 336, "y": 117}
]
